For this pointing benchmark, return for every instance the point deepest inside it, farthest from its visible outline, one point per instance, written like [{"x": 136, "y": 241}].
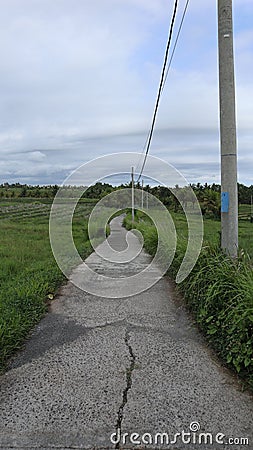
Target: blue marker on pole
[{"x": 224, "y": 202}]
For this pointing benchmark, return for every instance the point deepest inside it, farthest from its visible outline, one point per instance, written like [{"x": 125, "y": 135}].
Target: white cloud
[{"x": 36, "y": 156}]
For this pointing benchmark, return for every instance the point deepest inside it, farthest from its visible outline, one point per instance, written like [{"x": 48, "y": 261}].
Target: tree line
[
  {"x": 208, "y": 195},
  {"x": 17, "y": 190}
]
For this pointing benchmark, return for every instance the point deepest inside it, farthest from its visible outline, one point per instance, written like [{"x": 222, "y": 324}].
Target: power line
[
  {"x": 150, "y": 134},
  {"x": 176, "y": 41},
  {"x": 164, "y": 78}
]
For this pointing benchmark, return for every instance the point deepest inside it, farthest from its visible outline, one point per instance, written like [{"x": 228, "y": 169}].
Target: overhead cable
[
  {"x": 150, "y": 134},
  {"x": 176, "y": 41},
  {"x": 163, "y": 77}
]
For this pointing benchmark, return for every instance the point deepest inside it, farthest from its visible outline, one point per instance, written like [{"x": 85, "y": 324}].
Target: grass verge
[
  {"x": 218, "y": 292},
  {"x": 29, "y": 275}
]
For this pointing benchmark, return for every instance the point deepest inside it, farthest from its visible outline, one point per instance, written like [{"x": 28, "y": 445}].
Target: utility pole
[
  {"x": 142, "y": 193},
  {"x": 132, "y": 195},
  {"x": 229, "y": 199}
]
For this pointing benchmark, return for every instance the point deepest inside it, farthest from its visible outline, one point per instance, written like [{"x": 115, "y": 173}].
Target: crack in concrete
[
  {"x": 105, "y": 325},
  {"x": 129, "y": 371}
]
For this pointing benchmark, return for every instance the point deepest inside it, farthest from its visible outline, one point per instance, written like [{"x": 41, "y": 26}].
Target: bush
[{"x": 219, "y": 292}]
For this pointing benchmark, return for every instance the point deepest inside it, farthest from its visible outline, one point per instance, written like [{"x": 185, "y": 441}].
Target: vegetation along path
[{"x": 95, "y": 368}]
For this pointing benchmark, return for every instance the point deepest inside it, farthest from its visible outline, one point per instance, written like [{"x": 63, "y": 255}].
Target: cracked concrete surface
[
  {"x": 127, "y": 388},
  {"x": 94, "y": 366}
]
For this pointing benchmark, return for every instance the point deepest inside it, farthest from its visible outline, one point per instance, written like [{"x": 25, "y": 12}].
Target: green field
[{"x": 212, "y": 229}]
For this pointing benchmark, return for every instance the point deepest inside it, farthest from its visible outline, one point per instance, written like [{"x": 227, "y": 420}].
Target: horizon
[{"x": 203, "y": 184}]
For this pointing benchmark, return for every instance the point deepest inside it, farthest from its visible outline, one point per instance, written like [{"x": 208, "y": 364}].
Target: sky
[{"x": 79, "y": 80}]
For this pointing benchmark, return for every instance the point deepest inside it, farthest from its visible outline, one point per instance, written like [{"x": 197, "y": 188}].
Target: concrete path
[{"x": 95, "y": 365}]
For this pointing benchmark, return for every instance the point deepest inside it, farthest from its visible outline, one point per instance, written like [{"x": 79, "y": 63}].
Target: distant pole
[
  {"x": 142, "y": 193},
  {"x": 147, "y": 200},
  {"x": 229, "y": 199},
  {"x": 132, "y": 195}
]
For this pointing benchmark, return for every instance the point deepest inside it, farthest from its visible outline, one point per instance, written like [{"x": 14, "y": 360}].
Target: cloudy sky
[{"x": 79, "y": 79}]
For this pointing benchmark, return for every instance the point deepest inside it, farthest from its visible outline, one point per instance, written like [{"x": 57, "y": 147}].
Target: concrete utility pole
[
  {"x": 132, "y": 195},
  {"x": 142, "y": 194},
  {"x": 229, "y": 196},
  {"x": 229, "y": 199}
]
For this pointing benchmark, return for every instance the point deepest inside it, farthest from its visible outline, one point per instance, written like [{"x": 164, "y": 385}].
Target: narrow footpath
[{"x": 97, "y": 368}]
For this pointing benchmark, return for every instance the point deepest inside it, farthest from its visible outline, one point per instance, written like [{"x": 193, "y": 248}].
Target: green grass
[
  {"x": 212, "y": 230},
  {"x": 244, "y": 212},
  {"x": 29, "y": 275},
  {"x": 218, "y": 291}
]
